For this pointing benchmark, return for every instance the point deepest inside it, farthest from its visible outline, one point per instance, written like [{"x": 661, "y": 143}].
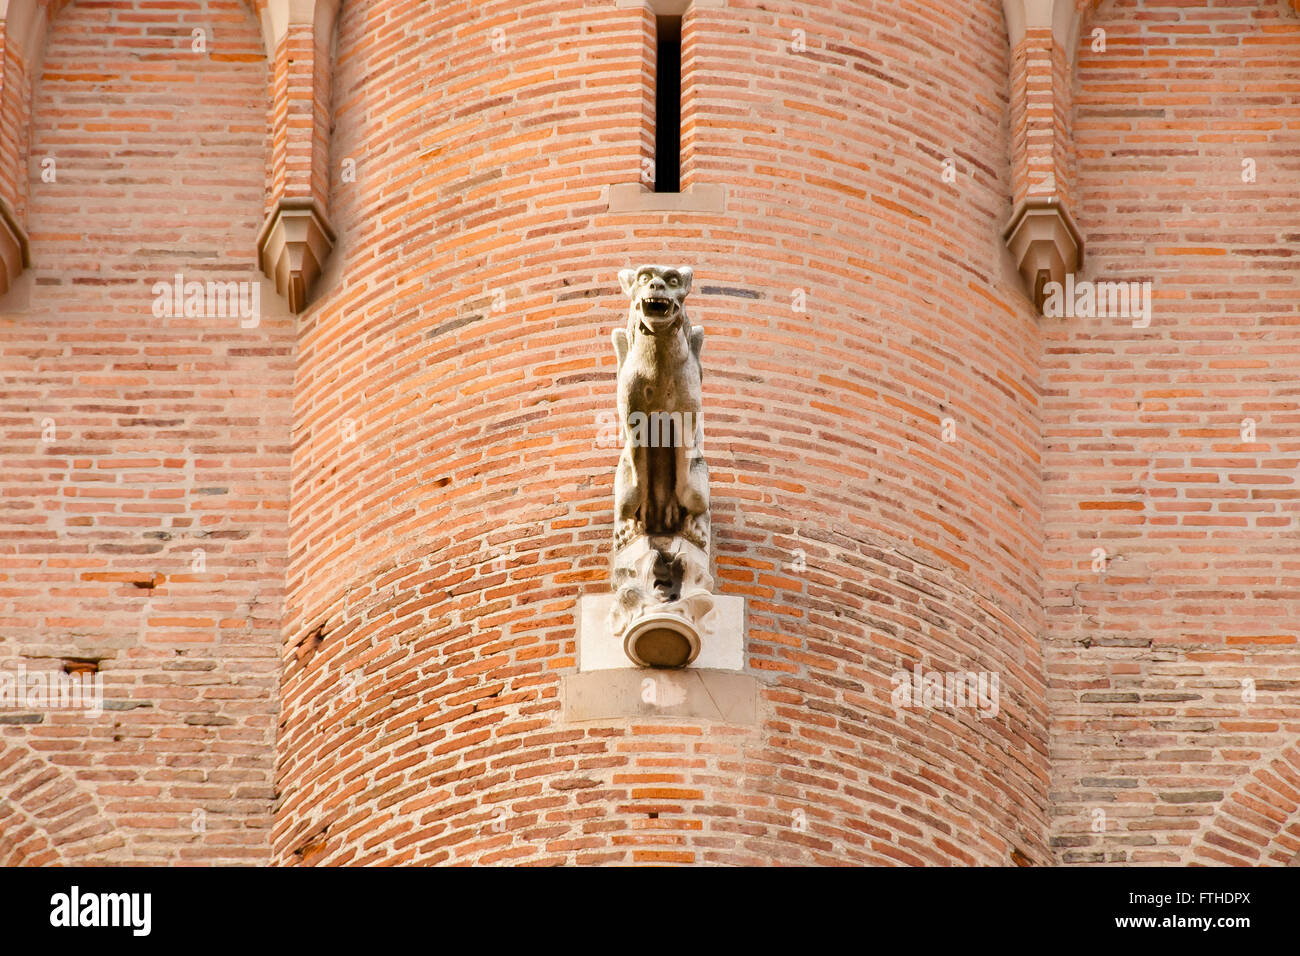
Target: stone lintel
[
  {"x": 1044, "y": 243},
  {"x": 292, "y": 247},
  {"x": 669, "y": 8},
  {"x": 689, "y": 693}
]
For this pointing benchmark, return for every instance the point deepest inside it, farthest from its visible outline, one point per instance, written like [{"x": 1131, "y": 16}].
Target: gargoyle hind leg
[
  {"x": 693, "y": 495},
  {"x": 629, "y": 495}
]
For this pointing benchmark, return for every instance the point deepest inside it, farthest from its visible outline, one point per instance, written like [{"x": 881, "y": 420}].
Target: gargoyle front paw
[
  {"x": 696, "y": 531},
  {"x": 627, "y": 532}
]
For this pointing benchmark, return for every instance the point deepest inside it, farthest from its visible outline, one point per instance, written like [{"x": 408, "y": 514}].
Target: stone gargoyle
[{"x": 663, "y": 602}]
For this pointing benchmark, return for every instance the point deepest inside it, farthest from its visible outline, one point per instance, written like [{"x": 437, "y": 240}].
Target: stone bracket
[
  {"x": 292, "y": 246},
  {"x": 1045, "y": 245}
]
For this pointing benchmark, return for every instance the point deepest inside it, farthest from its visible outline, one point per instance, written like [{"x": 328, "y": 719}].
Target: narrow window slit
[{"x": 668, "y": 105}]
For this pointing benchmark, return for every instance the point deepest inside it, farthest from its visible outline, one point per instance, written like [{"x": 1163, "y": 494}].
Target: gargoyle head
[{"x": 658, "y": 296}]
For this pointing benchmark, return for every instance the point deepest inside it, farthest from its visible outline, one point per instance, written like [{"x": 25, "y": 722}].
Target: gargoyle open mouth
[{"x": 656, "y": 307}]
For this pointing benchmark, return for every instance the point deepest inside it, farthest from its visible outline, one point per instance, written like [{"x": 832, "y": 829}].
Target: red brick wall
[
  {"x": 1144, "y": 450},
  {"x": 434, "y": 436},
  {"x": 171, "y": 434}
]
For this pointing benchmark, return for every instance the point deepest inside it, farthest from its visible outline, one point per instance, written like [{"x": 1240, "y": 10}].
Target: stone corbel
[
  {"x": 1042, "y": 237},
  {"x": 1045, "y": 244},
  {"x": 297, "y": 237},
  {"x": 292, "y": 246}
]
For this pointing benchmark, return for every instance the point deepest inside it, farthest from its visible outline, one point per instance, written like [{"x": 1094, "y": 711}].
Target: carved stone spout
[{"x": 664, "y": 605}]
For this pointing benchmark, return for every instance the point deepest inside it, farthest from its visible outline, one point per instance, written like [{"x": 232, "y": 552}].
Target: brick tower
[{"x": 329, "y": 559}]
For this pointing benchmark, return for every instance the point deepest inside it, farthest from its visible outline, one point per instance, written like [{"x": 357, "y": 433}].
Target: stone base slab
[
  {"x": 656, "y": 694},
  {"x": 598, "y": 649}
]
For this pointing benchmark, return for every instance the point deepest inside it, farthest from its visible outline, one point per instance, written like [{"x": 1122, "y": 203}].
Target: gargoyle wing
[
  {"x": 697, "y": 340},
  {"x": 620, "y": 345}
]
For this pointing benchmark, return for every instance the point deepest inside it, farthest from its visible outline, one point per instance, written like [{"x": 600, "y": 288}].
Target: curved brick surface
[
  {"x": 1259, "y": 823},
  {"x": 46, "y": 817}
]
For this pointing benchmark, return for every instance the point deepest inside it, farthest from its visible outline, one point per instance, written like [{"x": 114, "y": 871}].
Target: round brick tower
[{"x": 871, "y": 402}]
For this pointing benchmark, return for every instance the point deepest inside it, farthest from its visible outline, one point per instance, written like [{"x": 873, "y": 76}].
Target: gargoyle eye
[
  {"x": 643, "y": 278},
  {"x": 672, "y": 280}
]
